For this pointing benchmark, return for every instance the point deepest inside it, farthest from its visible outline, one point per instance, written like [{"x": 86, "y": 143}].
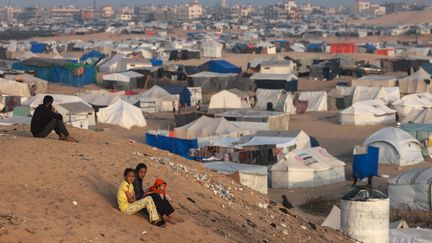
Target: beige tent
[
  {"x": 207, "y": 127},
  {"x": 41, "y": 86},
  {"x": 417, "y": 82},
  {"x": 423, "y": 116},
  {"x": 9, "y": 87},
  {"x": 229, "y": 99}
]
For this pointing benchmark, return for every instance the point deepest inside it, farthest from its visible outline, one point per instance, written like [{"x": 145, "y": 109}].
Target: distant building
[
  {"x": 285, "y": 10},
  {"x": 365, "y": 8},
  {"x": 107, "y": 12},
  {"x": 65, "y": 13},
  {"x": 125, "y": 13},
  {"x": 189, "y": 11}
]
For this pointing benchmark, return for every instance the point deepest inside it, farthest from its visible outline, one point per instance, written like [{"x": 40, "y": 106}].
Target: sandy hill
[
  {"x": 408, "y": 17},
  {"x": 41, "y": 179}
]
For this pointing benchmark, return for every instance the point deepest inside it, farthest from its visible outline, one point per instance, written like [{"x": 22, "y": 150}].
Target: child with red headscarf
[{"x": 166, "y": 210}]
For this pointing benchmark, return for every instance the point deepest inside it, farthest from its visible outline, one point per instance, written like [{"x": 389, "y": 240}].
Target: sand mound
[
  {"x": 408, "y": 17},
  {"x": 42, "y": 178}
]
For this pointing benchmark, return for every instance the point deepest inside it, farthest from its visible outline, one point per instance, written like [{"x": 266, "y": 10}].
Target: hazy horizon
[{"x": 89, "y": 3}]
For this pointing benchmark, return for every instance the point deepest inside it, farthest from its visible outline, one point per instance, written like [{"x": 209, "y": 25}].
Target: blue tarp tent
[
  {"x": 94, "y": 55},
  {"x": 220, "y": 66},
  {"x": 427, "y": 67},
  {"x": 37, "y": 47},
  {"x": 156, "y": 62},
  {"x": 181, "y": 90},
  {"x": 370, "y": 48},
  {"x": 366, "y": 164},
  {"x": 59, "y": 71},
  {"x": 315, "y": 47},
  {"x": 174, "y": 145}
]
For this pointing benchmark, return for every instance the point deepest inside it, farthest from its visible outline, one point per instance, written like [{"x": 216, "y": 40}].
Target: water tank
[{"x": 365, "y": 215}]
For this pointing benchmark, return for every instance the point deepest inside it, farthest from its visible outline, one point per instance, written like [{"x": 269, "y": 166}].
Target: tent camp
[
  {"x": 396, "y": 147},
  {"x": 417, "y": 82},
  {"x": 122, "y": 114},
  {"x": 252, "y": 176},
  {"x": 307, "y": 168},
  {"x": 207, "y": 127},
  {"x": 212, "y": 49},
  {"x": 368, "y": 112},
  {"x": 386, "y": 94},
  {"x": 411, "y": 190},
  {"x": 157, "y": 99},
  {"x": 229, "y": 99},
  {"x": 128, "y": 80},
  {"x": 412, "y": 102}
]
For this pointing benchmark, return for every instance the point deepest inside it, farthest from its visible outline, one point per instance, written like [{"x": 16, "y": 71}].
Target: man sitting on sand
[{"x": 45, "y": 119}]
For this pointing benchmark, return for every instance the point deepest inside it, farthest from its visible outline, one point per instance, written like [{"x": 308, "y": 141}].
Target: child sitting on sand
[
  {"x": 129, "y": 205},
  {"x": 159, "y": 190}
]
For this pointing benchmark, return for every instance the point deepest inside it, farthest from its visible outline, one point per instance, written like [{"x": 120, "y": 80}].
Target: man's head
[{"x": 48, "y": 100}]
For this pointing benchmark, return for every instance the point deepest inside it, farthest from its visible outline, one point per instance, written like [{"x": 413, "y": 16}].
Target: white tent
[
  {"x": 386, "y": 94},
  {"x": 277, "y": 65},
  {"x": 413, "y": 101},
  {"x": 229, "y": 99},
  {"x": 411, "y": 235},
  {"x": 411, "y": 190},
  {"x": 9, "y": 87},
  {"x": 396, "y": 147},
  {"x": 212, "y": 49},
  {"x": 368, "y": 112},
  {"x": 417, "y": 82},
  {"x": 419, "y": 116},
  {"x": 77, "y": 114},
  {"x": 122, "y": 114},
  {"x": 375, "y": 80},
  {"x": 36, "y": 100},
  {"x": 157, "y": 99},
  {"x": 100, "y": 98},
  {"x": 333, "y": 219},
  {"x": 310, "y": 167},
  {"x": 207, "y": 127},
  {"x": 276, "y": 97},
  {"x": 317, "y": 100},
  {"x": 252, "y": 176}
]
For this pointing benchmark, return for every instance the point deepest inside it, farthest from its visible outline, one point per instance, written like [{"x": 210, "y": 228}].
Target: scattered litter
[
  {"x": 132, "y": 141},
  {"x": 191, "y": 200},
  {"x": 75, "y": 203},
  {"x": 137, "y": 153},
  {"x": 223, "y": 206},
  {"x": 251, "y": 224},
  {"x": 144, "y": 232},
  {"x": 312, "y": 225},
  {"x": 272, "y": 216},
  {"x": 303, "y": 227},
  {"x": 283, "y": 225}
]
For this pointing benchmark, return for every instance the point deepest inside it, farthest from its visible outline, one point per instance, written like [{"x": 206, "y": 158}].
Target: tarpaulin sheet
[
  {"x": 366, "y": 164},
  {"x": 174, "y": 145}
]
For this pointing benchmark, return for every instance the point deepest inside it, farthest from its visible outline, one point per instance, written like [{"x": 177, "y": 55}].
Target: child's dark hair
[{"x": 127, "y": 171}]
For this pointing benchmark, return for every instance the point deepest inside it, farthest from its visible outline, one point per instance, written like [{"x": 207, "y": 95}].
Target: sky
[{"x": 116, "y": 3}]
